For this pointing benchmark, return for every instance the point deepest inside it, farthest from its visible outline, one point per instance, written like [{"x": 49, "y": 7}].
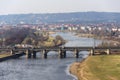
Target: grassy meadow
[{"x": 103, "y": 67}]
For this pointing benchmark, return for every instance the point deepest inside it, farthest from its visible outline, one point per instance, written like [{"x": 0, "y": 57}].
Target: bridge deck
[{"x": 57, "y": 48}]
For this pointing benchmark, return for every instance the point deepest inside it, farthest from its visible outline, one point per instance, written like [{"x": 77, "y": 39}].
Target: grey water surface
[{"x": 52, "y": 68}]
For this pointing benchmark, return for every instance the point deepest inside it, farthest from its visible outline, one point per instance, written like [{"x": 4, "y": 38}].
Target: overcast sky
[{"x": 56, "y": 6}]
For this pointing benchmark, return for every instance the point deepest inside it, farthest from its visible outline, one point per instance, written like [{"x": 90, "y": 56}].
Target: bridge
[{"x": 62, "y": 51}]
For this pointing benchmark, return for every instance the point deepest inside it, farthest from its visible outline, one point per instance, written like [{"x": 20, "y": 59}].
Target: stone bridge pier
[
  {"x": 64, "y": 54},
  {"x": 60, "y": 53},
  {"x": 34, "y": 54},
  {"x": 76, "y": 52},
  {"x": 92, "y": 52},
  {"x": 12, "y": 52},
  {"x": 44, "y": 52},
  {"x": 108, "y": 51},
  {"x": 28, "y": 54}
]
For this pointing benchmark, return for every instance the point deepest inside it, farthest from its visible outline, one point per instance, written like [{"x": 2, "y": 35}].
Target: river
[{"x": 52, "y": 68}]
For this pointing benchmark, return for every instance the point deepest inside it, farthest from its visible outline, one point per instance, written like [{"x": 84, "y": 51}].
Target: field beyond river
[{"x": 103, "y": 67}]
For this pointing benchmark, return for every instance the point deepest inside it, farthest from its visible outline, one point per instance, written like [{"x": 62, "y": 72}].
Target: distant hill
[{"x": 76, "y": 17}]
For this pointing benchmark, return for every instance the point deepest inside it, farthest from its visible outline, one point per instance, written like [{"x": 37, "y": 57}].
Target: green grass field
[{"x": 103, "y": 67}]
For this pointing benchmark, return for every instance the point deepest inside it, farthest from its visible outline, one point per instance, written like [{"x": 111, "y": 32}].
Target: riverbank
[
  {"x": 4, "y": 55},
  {"x": 106, "y": 41},
  {"x": 84, "y": 35},
  {"x": 104, "y": 67},
  {"x": 7, "y": 56}
]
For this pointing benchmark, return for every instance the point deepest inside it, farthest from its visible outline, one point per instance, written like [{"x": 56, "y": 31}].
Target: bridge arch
[{"x": 52, "y": 54}]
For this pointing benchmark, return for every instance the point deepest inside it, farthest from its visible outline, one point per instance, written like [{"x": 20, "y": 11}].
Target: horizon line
[{"x": 57, "y": 12}]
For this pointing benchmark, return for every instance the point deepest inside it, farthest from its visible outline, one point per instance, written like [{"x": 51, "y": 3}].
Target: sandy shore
[{"x": 77, "y": 69}]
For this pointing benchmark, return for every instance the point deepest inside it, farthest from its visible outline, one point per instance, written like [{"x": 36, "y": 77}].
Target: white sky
[{"x": 56, "y": 6}]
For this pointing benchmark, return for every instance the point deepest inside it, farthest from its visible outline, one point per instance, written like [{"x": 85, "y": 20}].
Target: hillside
[{"x": 76, "y": 17}]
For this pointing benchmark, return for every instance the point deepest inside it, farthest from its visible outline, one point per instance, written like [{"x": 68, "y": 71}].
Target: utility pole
[
  {"x": 94, "y": 42},
  {"x": 93, "y": 37}
]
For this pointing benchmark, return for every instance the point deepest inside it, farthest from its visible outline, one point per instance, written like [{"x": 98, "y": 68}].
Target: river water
[{"x": 52, "y": 68}]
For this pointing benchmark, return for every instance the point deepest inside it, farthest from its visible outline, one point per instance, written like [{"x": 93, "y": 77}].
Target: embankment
[
  {"x": 11, "y": 57},
  {"x": 106, "y": 41},
  {"x": 77, "y": 70},
  {"x": 102, "y": 67}
]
